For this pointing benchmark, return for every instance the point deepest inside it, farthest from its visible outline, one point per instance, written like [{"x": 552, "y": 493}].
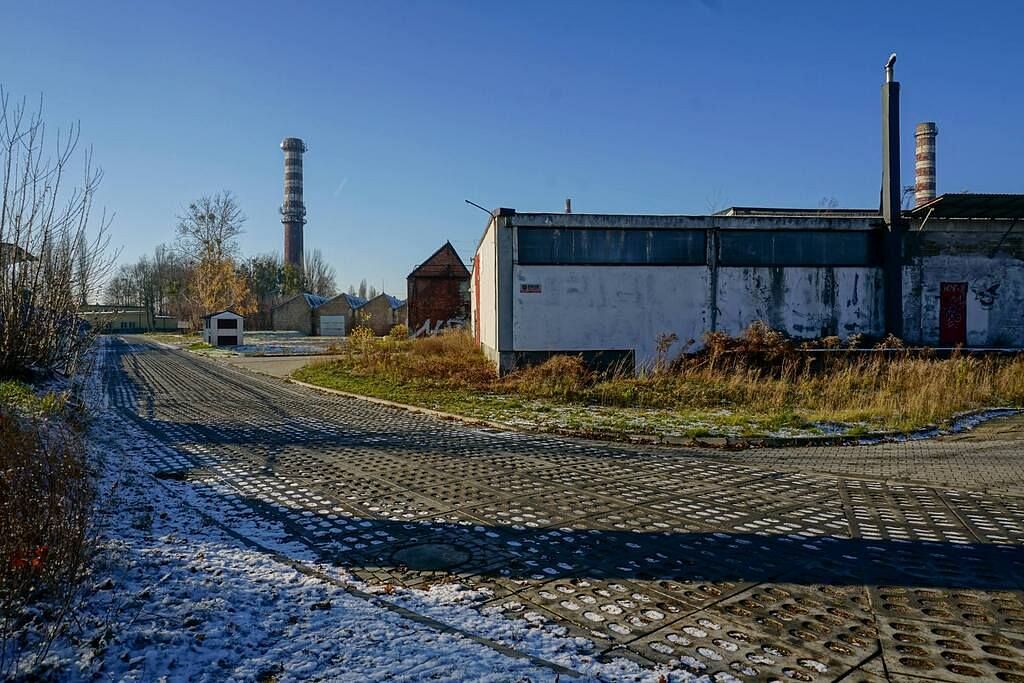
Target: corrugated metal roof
[
  {"x": 314, "y": 300},
  {"x": 355, "y": 301},
  {"x": 973, "y": 205}
]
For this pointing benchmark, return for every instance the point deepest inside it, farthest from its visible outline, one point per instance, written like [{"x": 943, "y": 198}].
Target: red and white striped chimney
[{"x": 924, "y": 162}]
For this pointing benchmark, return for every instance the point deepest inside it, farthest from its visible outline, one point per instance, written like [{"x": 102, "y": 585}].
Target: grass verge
[{"x": 759, "y": 384}]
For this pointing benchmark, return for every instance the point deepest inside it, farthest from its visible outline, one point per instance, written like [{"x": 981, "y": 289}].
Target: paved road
[{"x": 889, "y": 562}]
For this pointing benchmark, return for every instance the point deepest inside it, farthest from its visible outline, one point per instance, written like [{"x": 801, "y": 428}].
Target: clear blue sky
[{"x": 410, "y": 107}]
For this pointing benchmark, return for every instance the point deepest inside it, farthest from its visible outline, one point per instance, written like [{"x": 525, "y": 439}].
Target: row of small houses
[
  {"x": 338, "y": 316},
  {"x": 438, "y": 291}
]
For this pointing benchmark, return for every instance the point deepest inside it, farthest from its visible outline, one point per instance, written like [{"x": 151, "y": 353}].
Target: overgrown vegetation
[
  {"x": 761, "y": 381},
  {"x": 45, "y": 497},
  {"x": 51, "y": 261}
]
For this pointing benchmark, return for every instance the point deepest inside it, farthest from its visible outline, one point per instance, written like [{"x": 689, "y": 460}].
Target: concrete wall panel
[
  {"x": 995, "y": 298},
  {"x": 487, "y": 310},
  {"x": 803, "y": 302},
  {"x": 591, "y": 308}
]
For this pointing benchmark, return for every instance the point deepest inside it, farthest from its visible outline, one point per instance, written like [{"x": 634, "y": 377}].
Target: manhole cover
[
  {"x": 190, "y": 474},
  {"x": 431, "y": 556}
]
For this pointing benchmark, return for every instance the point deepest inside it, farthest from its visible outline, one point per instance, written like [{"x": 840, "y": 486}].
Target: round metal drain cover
[{"x": 431, "y": 556}]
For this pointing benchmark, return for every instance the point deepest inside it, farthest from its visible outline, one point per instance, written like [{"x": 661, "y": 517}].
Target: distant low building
[
  {"x": 438, "y": 293},
  {"x": 11, "y": 254},
  {"x": 224, "y": 328},
  {"x": 296, "y": 313},
  {"x": 381, "y": 313},
  {"x": 110, "y": 318},
  {"x": 336, "y": 317}
]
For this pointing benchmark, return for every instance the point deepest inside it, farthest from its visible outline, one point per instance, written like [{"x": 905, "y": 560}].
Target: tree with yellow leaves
[{"x": 216, "y": 285}]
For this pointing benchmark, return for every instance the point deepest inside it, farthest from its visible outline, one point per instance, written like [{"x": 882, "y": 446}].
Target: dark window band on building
[
  {"x": 753, "y": 248},
  {"x": 611, "y": 247}
]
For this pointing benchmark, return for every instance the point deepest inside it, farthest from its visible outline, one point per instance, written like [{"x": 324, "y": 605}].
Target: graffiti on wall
[
  {"x": 429, "y": 327},
  {"x": 986, "y": 290}
]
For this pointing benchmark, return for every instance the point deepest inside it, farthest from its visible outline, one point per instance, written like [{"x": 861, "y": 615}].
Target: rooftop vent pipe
[
  {"x": 924, "y": 162},
  {"x": 568, "y": 205}
]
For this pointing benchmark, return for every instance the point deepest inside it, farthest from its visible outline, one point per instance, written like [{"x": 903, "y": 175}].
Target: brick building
[
  {"x": 336, "y": 317},
  {"x": 438, "y": 293},
  {"x": 296, "y": 313},
  {"x": 381, "y": 313}
]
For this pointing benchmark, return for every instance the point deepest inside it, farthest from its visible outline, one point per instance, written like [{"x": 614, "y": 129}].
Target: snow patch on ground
[{"x": 173, "y": 596}]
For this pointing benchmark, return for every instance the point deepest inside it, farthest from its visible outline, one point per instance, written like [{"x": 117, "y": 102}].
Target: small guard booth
[{"x": 223, "y": 328}]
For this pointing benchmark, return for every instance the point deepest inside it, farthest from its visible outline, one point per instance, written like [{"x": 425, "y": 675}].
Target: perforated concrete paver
[{"x": 898, "y": 561}]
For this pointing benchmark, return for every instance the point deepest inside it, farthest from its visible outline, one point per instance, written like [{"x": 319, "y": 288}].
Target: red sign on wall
[{"x": 952, "y": 313}]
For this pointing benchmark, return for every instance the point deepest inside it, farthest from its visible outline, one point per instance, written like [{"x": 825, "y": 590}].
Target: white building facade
[{"x": 614, "y": 288}]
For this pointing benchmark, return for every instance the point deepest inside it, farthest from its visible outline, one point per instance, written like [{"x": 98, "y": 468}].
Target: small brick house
[
  {"x": 296, "y": 313},
  {"x": 438, "y": 293},
  {"x": 381, "y": 313},
  {"x": 336, "y": 317}
]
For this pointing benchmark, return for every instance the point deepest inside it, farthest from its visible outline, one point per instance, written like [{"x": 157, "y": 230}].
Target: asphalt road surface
[{"x": 898, "y": 561}]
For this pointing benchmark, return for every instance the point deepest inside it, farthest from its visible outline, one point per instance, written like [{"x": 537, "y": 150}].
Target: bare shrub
[
  {"x": 451, "y": 358},
  {"x": 50, "y": 260},
  {"x": 45, "y": 497},
  {"x": 563, "y": 377}
]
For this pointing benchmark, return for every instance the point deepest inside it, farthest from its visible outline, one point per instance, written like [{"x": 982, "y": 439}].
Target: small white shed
[{"x": 223, "y": 329}]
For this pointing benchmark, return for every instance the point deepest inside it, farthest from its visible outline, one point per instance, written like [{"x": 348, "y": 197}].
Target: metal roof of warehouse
[{"x": 971, "y": 205}]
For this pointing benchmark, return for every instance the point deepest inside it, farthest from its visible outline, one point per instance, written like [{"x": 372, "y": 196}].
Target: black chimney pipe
[{"x": 892, "y": 203}]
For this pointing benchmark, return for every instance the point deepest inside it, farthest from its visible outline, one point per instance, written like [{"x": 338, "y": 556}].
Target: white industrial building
[
  {"x": 609, "y": 286},
  {"x": 949, "y": 273}
]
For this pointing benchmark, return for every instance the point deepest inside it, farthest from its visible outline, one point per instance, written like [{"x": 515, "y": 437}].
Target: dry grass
[
  {"x": 760, "y": 373},
  {"x": 45, "y": 497}
]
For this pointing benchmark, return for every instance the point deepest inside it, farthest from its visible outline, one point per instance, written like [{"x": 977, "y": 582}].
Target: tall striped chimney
[
  {"x": 293, "y": 210},
  {"x": 924, "y": 162}
]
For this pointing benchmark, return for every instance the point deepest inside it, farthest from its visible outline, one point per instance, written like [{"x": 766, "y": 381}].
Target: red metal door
[{"x": 952, "y": 313}]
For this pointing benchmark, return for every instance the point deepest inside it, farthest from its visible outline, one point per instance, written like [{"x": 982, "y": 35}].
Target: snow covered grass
[
  {"x": 189, "y": 583},
  {"x": 257, "y": 343},
  {"x": 760, "y": 384}
]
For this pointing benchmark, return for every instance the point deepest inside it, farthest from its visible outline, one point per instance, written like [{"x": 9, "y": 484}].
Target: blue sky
[{"x": 410, "y": 107}]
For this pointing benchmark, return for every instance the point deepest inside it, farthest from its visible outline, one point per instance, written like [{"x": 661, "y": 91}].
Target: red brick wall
[{"x": 434, "y": 298}]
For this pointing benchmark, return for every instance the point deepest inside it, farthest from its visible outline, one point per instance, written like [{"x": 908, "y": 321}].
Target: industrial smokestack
[
  {"x": 293, "y": 210},
  {"x": 924, "y": 162},
  {"x": 568, "y": 205},
  {"x": 892, "y": 202}
]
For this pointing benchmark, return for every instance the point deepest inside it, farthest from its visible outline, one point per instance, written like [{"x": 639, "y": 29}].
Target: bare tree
[
  {"x": 210, "y": 227},
  {"x": 319, "y": 277},
  {"x": 50, "y": 258}
]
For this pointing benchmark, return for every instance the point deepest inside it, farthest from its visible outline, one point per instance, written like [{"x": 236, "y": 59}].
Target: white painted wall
[
  {"x": 487, "y": 311},
  {"x": 590, "y": 308},
  {"x": 803, "y": 302},
  {"x": 995, "y": 298}
]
